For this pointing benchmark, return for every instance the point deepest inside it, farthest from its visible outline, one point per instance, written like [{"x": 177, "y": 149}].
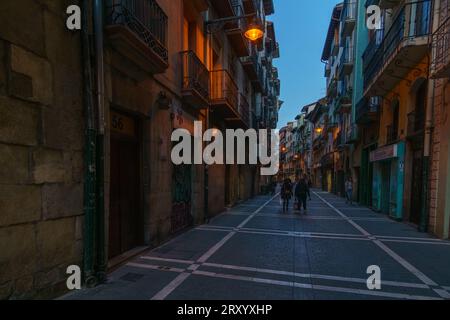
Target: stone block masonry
[{"x": 41, "y": 148}]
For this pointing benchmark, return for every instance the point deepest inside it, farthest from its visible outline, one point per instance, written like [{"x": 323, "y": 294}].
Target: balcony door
[{"x": 421, "y": 18}]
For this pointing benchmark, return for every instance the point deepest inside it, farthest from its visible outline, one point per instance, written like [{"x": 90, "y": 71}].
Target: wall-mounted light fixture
[
  {"x": 164, "y": 102},
  {"x": 254, "y": 32}
]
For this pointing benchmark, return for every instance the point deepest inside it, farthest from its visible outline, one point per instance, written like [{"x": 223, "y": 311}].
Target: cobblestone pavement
[{"x": 255, "y": 252}]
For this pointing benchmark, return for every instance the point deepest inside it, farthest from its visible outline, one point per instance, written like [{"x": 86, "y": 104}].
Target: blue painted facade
[{"x": 388, "y": 182}]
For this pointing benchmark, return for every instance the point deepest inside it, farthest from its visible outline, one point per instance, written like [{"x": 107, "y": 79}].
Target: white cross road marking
[
  {"x": 274, "y": 272},
  {"x": 420, "y": 275},
  {"x": 194, "y": 266},
  {"x": 325, "y": 235},
  {"x": 182, "y": 277}
]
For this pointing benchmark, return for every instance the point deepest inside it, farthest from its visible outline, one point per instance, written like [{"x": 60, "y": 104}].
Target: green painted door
[
  {"x": 181, "y": 197},
  {"x": 385, "y": 187}
]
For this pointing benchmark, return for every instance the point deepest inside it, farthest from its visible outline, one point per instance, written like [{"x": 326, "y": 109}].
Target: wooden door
[{"x": 125, "y": 227}]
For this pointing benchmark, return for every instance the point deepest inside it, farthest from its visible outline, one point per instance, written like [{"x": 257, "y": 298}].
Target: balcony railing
[
  {"x": 255, "y": 71},
  {"x": 440, "y": 65},
  {"x": 348, "y": 18},
  {"x": 195, "y": 77},
  {"x": 416, "y": 124},
  {"x": 145, "y": 19},
  {"x": 347, "y": 60},
  {"x": 391, "y": 134},
  {"x": 235, "y": 30},
  {"x": 349, "y": 11},
  {"x": 327, "y": 70},
  {"x": 244, "y": 109},
  {"x": 224, "y": 89},
  {"x": 339, "y": 140},
  {"x": 367, "y": 110},
  {"x": 412, "y": 21}
]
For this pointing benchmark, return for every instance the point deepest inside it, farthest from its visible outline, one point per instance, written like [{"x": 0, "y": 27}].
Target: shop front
[{"x": 388, "y": 179}]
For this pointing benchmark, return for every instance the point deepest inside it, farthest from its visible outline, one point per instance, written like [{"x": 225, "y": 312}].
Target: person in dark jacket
[
  {"x": 301, "y": 193},
  {"x": 286, "y": 194}
]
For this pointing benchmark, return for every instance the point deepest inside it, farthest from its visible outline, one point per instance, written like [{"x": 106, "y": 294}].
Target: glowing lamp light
[
  {"x": 254, "y": 33},
  {"x": 319, "y": 130}
]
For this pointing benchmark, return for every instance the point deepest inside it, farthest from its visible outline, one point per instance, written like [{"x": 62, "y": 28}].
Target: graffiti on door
[{"x": 181, "y": 197}]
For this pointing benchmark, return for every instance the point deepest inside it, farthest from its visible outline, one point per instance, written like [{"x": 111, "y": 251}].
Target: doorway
[
  {"x": 416, "y": 187},
  {"x": 181, "y": 217},
  {"x": 385, "y": 187},
  {"x": 125, "y": 222}
]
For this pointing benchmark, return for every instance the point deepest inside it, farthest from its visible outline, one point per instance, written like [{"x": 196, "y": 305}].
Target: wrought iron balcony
[
  {"x": 353, "y": 134},
  {"x": 347, "y": 60},
  {"x": 224, "y": 94},
  {"x": 403, "y": 46},
  {"x": 348, "y": 18},
  {"x": 235, "y": 31},
  {"x": 367, "y": 110},
  {"x": 327, "y": 70},
  {"x": 344, "y": 102},
  {"x": 254, "y": 71},
  {"x": 391, "y": 134},
  {"x": 440, "y": 64},
  {"x": 195, "y": 80},
  {"x": 339, "y": 141},
  {"x": 138, "y": 30},
  {"x": 416, "y": 124},
  {"x": 251, "y": 6},
  {"x": 223, "y": 8},
  {"x": 244, "y": 110},
  {"x": 269, "y": 7}
]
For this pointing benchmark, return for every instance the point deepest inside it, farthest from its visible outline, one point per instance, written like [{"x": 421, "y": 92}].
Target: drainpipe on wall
[
  {"x": 101, "y": 260},
  {"x": 428, "y": 140},
  {"x": 90, "y": 192}
]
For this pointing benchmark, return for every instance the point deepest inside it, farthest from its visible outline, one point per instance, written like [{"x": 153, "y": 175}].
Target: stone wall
[{"x": 41, "y": 144}]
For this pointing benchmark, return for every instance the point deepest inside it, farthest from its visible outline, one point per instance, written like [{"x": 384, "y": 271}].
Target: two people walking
[{"x": 299, "y": 190}]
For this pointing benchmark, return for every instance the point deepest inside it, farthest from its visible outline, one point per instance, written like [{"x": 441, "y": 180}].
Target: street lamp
[{"x": 254, "y": 30}]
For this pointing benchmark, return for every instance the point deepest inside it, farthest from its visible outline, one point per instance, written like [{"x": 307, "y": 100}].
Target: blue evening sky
[{"x": 301, "y": 27}]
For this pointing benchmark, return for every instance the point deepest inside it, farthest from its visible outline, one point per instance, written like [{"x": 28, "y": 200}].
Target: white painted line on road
[
  {"x": 405, "y": 264},
  {"x": 182, "y": 277},
  {"x": 285, "y": 233},
  {"x": 375, "y": 293},
  {"x": 433, "y": 243},
  {"x": 315, "y": 276},
  {"x": 154, "y": 267},
  {"x": 216, "y": 247},
  {"x": 336, "y": 236},
  {"x": 443, "y": 293},
  {"x": 412, "y": 238},
  {"x": 167, "y": 260},
  {"x": 166, "y": 291},
  {"x": 314, "y": 287},
  {"x": 420, "y": 275},
  {"x": 195, "y": 267},
  {"x": 355, "y": 225},
  {"x": 251, "y": 279}
]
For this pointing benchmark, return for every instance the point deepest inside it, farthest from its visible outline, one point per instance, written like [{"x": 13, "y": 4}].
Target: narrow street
[{"x": 255, "y": 252}]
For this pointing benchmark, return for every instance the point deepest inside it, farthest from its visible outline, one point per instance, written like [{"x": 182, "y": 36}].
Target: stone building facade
[
  {"x": 41, "y": 148},
  {"x": 93, "y": 187}
]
